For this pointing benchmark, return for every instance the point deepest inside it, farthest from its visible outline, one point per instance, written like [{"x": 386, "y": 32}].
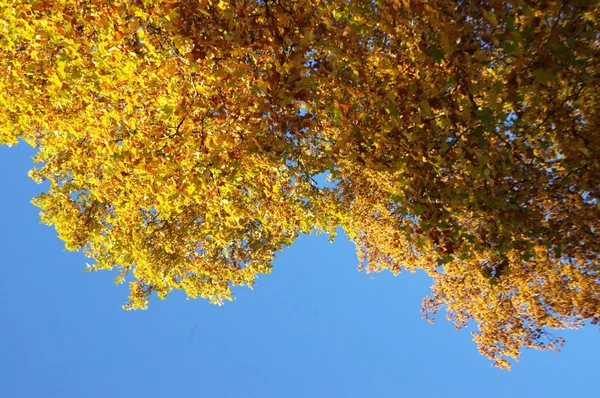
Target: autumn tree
[{"x": 181, "y": 141}]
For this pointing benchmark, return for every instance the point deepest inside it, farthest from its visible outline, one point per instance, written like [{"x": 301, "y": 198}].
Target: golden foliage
[{"x": 181, "y": 139}]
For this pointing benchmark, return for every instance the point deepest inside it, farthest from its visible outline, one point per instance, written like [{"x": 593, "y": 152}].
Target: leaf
[
  {"x": 544, "y": 75},
  {"x": 436, "y": 53},
  {"x": 491, "y": 18}
]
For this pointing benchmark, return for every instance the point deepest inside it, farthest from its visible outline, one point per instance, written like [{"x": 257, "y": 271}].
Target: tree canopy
[{"x": 182, "y": 142}]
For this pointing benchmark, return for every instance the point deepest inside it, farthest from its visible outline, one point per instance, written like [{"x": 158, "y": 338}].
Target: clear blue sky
[{"x": 313, "y": 328}]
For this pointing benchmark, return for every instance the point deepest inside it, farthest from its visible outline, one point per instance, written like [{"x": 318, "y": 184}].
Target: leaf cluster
[{"x": 182, "y": 140}]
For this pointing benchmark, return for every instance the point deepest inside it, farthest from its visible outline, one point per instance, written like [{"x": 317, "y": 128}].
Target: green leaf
[{"x": 436, "y": 53}]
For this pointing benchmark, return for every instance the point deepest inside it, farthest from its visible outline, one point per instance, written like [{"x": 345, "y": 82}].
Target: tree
[{"x": 181, "y": 141}]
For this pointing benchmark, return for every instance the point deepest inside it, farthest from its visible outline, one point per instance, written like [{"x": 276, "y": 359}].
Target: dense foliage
[{"x": 182, "y": 140}]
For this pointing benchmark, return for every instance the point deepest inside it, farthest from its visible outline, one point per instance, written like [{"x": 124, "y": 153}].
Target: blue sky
[{"x": 315, "y": 327}]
